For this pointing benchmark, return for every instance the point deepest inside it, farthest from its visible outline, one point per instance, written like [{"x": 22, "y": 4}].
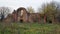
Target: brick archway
[
  {"x": 21, "y": 8},
  {"x": 22, "y": 17}
]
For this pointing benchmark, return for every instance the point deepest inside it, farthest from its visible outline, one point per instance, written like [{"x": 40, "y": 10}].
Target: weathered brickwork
[{"x": 22, "y": 15}]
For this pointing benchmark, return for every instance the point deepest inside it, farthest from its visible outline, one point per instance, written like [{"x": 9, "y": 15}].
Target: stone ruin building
[{"x": 22, "y": 15}]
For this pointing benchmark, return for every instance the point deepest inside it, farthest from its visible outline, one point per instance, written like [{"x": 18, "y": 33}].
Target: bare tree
[
  {"x": 4, "y": 11},
  {"x": 30, "y": 9},
  {"x": 50, "y": 10}
]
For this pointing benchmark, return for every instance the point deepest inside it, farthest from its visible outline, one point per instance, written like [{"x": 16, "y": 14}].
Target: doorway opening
[
  {"x": 50, "y": 21},
  {"x": 21, "y": 21}
]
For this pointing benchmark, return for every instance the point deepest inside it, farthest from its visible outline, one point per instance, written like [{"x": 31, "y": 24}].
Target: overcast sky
[{"x": 23, "y": 3}]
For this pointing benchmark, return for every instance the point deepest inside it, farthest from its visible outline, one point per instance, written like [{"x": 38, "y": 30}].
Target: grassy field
[{"x": 29, "y": 28}]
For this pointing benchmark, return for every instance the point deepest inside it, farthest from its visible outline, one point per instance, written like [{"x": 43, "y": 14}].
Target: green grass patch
[{"x": 29, "y": 28}]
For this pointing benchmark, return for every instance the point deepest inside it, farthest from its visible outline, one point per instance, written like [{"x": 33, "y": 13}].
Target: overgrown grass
[{"x": 29, "y": 28}]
